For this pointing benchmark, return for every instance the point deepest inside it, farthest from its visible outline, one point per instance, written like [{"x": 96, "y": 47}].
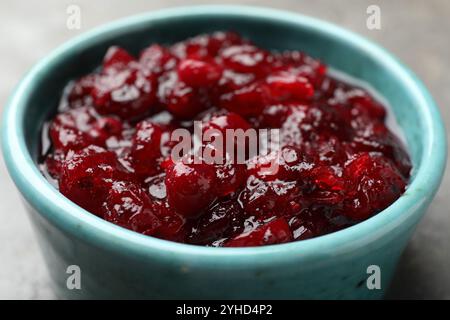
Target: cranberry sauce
[{"x": 337, "y": 163}]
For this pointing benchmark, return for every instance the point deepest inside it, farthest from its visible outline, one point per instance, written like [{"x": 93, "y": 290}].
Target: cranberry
[
  {"x": 274, "y": 116},
  {"x": 265, "y": 198},
  {"x": 289, "y": 163},
  {"x": 310, "y": 123},
  {"x": 157, "y": 59},
  {"x": 204, "y": 45},
  {"x": 336, "y": 164},
  {"x": 117, "y": 58},
  {"x": 53, "y": 163},
  {"x": 145, "y": 150},
  {"x": 220, "y": 40},
  {"x": 302, "y": 64},
  {"x": 246, "y": 101},
  {"x": 173, "y": 224},
  {"x": 68, "y": 138},
  {"x": 87, "y": 175},
  {"x": 276, "y": 231},
  {"x": 375, "y": 184},
  {"x": 105, "y": 128},
  {"x": 229, "y": 120},
  {"x": 246, "y": 59},
  {"x": 69, "y": 130},
  {"x": 197, "y": 73},
  {"x": 285, "y": 86},
  {"x": 81, "y": 127},
  {"x": 128, "y": 205},
  {"x": 329, "y": 151},
  {"x": 180, "y": 99},
  {"x": 79, "y": 93},
  {"x": 232, "y": 81},
  {"x": 363, "y": 103},
  {"x": 310, "y": 223},
  {"x": 221, "y": 220},
  {"x": 190, "y": 186},
  {"x": 218, "y": 125},
  {"x": 123, "y": 88},
  {"x": 229, "y": 177},
  {"x": 325, "y": 187}
]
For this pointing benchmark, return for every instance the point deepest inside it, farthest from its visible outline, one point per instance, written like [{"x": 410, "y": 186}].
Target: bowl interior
[{"x": 270, "y": 34}]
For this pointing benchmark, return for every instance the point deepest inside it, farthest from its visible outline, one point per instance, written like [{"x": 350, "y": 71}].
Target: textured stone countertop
[{"x": 416, "y": 31}]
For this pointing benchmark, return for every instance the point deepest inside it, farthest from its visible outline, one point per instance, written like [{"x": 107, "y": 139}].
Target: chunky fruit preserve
[{"x": 335, "y": 163}]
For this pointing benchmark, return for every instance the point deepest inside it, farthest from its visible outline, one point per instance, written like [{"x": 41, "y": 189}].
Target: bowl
[{"x": 112, "y": 262}]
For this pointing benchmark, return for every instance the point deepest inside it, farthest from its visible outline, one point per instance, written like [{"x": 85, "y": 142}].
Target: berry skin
[
  {"x": 68, "y": 131},
  {"x": 276, "y": 231},
  {"x": 157, "y": 59},
  {"x": 221, "y": 220},
  {"x": 116, "y": 58},
  {"x": 87, "y": 175},
  {"x": 375, "y": 182},
  {"x": 81, "y": 127},
  {"x": 126, "y": 93},
  {"x": 229, "y": 120},
  {"x": 181, "y": 100},
  {"x": 246, "y": 59},
  {"x": 128, "y": 205},
  {"x": 270, "y": 198},
  {"x": 146, "y": 149},
  {"x": 79, "y": 94},
  {"x": 289, "y": 87},
  {"x": 289, "y": 164},
  {"x": 197, "y": 73},
  {"x": 173, "y": 224},
  {"x": 190, "y": 187},
  {"x": 124, "y": 88},
  {"x": 246, "y": 101}
]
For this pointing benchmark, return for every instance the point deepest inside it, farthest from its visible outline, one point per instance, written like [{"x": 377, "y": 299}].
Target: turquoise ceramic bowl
[{"x": 118, "y": 263}]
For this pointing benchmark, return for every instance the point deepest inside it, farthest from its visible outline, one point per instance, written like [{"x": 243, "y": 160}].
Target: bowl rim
[{"x": 71, "y": 218}]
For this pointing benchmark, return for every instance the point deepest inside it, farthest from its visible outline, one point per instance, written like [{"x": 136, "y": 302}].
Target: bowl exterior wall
[{"x": 114, "y": 274}]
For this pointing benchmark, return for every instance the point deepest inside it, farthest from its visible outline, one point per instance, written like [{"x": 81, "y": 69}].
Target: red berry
[
  {"x": 68, "y": 131},
  {"x": 229, "y": 177},
  {"x": 180, "y": 99},
  {"x": 81, "y": 127},
  {"x": 246, "y": 101},
  {"x": 173, "y": 224},
  {"x": 79, "y": 94},
  {"x": 221, "y": 220},
  {"x": 246, "y": 59},
  {"x": 197, "y": 73},
  {"x": 123, "y": 88},
  {"x": 229, "y": 120},
  {"x": 288, "y": 164},
  {"x": 363, "y": 103},
  {"x": 127, "y": 205},
  {"x": 145, "y": 150},
  {"x": 87, "y": 175},
  {"x": 157, "y": 59},
  {"x": 273, "y": 232},
  {"x": 270, "y": 198},
  {"x": 117, "y": 58},
  {"x": 288, "y": 87},
  {"x": 190, "y": 187},
  {"x": 375, "y": 184},
  {"x": 105, "y": 128}
]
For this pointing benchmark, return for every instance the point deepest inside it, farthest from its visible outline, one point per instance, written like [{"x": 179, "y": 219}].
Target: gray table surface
[{"x": 416, "y": 31}]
